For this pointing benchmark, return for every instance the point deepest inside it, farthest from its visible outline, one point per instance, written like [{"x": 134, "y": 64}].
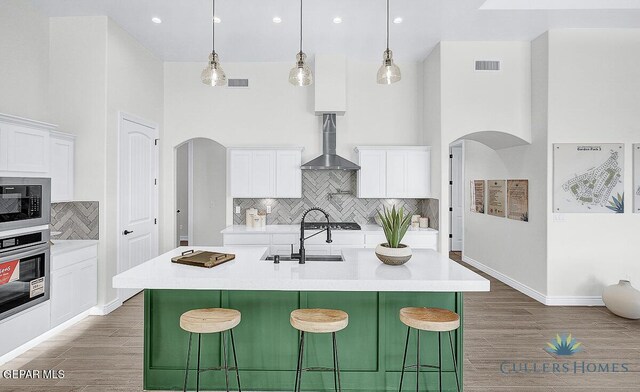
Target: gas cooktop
[{"x": 332, "y": 226}]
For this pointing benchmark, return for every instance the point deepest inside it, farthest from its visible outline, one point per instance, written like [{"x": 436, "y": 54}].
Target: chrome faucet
[{"x": 301, "y": 255}]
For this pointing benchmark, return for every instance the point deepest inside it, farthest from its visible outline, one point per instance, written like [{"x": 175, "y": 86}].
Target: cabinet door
[
  {"x": 288, "y": 174},
  {"x": 418, "y": 178},
  {"x": 263, "y": 173},
  {"x": 396, "y": 174},
  {"x": 372, "y": 174},
  {"x": 62, "y": 295},
  {"x": 85, "y": 280},
  {"x": 28, "y": 150},
  {"x": 240, "y": 173},
  {"x": 61, "y": 169}
]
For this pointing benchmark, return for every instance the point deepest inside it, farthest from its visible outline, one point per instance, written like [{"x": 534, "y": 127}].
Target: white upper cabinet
[
  {"x": 24, "y": 150},
  {"x": 372, "y": 176},
  {"x": 288, "y": 174},
  {"x": 394, "y": 172},
  {"x": 62, "y": 166},
  {"x": 35, "y": 149},
  {"x": 265, "y": 173}
]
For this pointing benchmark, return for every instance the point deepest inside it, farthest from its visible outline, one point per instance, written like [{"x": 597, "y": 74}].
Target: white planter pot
[
  {"x": 622, "y": 300},
  {"x": 393, "y": 256}
]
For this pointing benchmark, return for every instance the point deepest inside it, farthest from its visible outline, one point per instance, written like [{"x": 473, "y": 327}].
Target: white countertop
[
  {"x": 427, "y": 271},
  {"x": 288, "y": 229},
  {"x": 65, "y": 246}
]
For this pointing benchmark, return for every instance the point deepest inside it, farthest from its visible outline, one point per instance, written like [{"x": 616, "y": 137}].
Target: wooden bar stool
[
  {"x": 431, "y": 320},
  {"x": 211, "y": 320},
  {"x": 318, "y": 321}
]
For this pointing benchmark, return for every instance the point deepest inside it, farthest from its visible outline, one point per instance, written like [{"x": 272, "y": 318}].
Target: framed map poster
[
  {"x": 518, "y": 200},
  {"x": 636, "y": 177},
  {"x": 477, "y": 196},
  {"x": 588, "y": 178},
  {"x": 497, "y": 197}
]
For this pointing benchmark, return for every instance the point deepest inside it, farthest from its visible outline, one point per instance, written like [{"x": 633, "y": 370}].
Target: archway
[{"x": 200, "y": 185}]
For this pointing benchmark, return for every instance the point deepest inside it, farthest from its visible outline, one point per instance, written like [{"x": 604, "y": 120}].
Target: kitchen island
[{"x": 370, "y": 348}]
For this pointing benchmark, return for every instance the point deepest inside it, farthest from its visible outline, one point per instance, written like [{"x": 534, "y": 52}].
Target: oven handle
[{"x": 22, "y": 253}]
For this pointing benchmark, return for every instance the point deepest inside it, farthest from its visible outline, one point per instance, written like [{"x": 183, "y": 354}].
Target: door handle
[{"x": 127, "y": 232}]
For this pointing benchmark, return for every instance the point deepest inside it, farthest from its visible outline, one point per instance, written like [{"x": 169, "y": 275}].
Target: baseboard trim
[
  {"x": 574, "y": 301},
  {"x": 184, "y": 238},
  {"x": 532, "y": 293},
  {"x": 524, "y": 289},
  {"x": 103, "y": 310},
  {"x": 36, "y": 341}
]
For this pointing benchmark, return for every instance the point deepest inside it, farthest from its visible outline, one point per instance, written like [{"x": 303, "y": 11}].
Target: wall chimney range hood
[{"x": 329, "y": 160}]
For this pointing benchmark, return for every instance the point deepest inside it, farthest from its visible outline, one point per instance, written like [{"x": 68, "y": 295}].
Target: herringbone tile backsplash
[
  {"x": 78, "y": 220},
  {"x": 319, "y": 189}
]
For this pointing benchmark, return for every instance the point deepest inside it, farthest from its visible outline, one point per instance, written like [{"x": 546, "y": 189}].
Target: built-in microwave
[
  {"x": 24, "y": 271},
  {"x": 24, "y": 202}
]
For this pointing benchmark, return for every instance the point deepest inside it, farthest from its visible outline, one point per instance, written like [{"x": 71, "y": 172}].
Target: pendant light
[
  {"x": 388, "y": 72},
  {"x": 213, "y": 75},
  {"x": 301, "y": 74}
]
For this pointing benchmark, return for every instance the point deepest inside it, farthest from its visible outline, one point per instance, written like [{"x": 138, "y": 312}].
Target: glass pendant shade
[
  {"x": 301, "y": 74},
  {"x": 213, "y": 75},
  {"x": 389, "y": 72}
]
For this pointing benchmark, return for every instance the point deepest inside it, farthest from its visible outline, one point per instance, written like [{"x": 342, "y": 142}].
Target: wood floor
[{"x": 103, "y": 354}]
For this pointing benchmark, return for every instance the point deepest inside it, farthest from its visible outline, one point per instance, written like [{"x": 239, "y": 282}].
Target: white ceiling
[{"x": 247, "y": 33}]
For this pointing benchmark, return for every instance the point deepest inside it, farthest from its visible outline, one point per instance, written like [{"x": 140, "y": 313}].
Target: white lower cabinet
[{"x": 74, "y": 283}]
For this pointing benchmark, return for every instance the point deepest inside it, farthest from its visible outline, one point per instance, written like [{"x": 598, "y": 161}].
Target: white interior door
[
  {"x": 457, "y": 191},
  {"x": 138, "y": 195}
]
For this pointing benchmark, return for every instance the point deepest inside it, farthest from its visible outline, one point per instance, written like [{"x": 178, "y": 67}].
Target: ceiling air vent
[
  {"x": 487, "y": 65},
  {"x": 238, "y": 83}
]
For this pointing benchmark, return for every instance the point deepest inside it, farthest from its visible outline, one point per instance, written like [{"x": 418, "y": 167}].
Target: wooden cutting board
[{"x": 202, "y": 258}]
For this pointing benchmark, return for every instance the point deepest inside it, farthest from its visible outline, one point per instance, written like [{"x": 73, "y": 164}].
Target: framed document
[
  {"x": 477, "y": 196},
  {"x": 518, "y": 200},
  {"x": 497, "y": 197},
  {"x": 588, "y": 178}
]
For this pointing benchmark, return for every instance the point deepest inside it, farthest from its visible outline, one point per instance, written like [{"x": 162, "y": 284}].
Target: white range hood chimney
[{"x": 330, "y": 84}]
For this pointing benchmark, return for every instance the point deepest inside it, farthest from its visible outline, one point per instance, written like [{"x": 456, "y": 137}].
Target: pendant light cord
[
  {"x": 387, "y": 24},
  {"x": 213, "y": 27},
  {"x": 300, "y": 26}
]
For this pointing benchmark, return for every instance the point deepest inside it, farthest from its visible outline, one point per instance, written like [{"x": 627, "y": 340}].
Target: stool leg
[
  {"x": 235, "y": 359},
  {"x": 404, "y": 358},
  {"x": 186, "y": 370},
  {"x": 439, "y": 362},
  {"x": 455, "y": 363},
  {"x": 198, "y": 374},
  {"x": 224, "y": 360},
  {"x": 299, "y": 367},
  {"x": 337, "y": 364},
  {"x": 418, "y": 362}
]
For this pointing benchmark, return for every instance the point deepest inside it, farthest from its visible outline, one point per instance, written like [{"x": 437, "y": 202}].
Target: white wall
[
  {"x": 594, "y": 95},
  {"x": 471, "y": 102},
  {"x": 280, "y": 114},
  {"x": 24, "y": 60},
  {"x": 96, "y": 70},
  {"x": 209, "y": 192}
]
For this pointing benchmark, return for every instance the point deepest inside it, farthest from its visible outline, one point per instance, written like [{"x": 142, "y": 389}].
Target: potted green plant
[{"x": 395, "y": 224}]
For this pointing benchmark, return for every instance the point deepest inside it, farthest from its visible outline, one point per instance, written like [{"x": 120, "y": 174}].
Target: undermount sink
[{"x": 310, "y": 258}]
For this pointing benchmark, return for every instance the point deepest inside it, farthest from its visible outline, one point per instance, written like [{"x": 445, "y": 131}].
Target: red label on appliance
[{"x": 9, "y": 271}]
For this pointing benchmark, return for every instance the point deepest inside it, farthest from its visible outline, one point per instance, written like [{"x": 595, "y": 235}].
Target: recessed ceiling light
[
  {"x": 277, "y": 19},
  {"x": 397, "y": 20},
  {"x": 156, "y": 20},
  {"x": 337, "y": 20},
  {"x": 216, "y": 19}
]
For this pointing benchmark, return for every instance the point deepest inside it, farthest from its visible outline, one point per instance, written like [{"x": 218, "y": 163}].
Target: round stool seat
[
  {"x": 210, "y": 320},
  {"x": 319, "y": 320},
  {"x": 430, "y": 319}
]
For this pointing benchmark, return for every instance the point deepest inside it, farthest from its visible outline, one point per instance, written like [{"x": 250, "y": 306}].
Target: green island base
[{"x": 370, "y": 348}]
